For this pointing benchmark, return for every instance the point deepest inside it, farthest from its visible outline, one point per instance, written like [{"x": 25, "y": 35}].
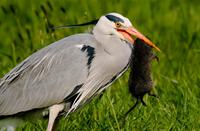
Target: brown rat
[{"x": 140, "y": 79}]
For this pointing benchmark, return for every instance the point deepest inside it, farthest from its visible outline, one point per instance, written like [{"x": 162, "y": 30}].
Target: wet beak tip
[{"x": 158, "y": 49}]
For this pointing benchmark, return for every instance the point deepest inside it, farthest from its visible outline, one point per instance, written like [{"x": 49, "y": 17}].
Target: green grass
[{"x": 173, "y": 25}]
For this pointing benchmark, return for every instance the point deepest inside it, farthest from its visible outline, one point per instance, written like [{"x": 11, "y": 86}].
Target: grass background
[{"x": 173, "y": 25}]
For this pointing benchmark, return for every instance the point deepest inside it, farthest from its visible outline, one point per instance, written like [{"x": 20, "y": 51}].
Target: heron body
[
  {"x": 66, "y": 74},
  {"x": 45, "y": 78}
]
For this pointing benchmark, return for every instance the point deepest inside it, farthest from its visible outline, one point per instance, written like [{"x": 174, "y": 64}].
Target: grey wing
[
  {"x": 103, "y": 72},
  {"x": 46, "y": 77}
]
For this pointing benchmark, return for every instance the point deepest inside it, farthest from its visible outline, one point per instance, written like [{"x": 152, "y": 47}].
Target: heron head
[{"x": 116, "y": 24}]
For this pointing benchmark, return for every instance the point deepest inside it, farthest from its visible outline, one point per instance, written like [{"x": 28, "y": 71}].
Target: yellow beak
[{"x": 133, "y": 31}]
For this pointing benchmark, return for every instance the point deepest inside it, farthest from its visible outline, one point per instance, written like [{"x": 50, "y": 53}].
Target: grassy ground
[{"x": 172, "y": 25}]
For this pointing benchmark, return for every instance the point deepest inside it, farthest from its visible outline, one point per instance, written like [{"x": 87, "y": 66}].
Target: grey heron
[{"x": 66, "y": 74}]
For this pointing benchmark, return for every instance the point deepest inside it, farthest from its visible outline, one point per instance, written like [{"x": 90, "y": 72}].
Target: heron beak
[{"x": 133, "y": 31}]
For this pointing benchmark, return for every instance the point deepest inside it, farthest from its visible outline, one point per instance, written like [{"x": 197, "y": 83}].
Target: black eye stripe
[{"x": 114, "y": 18}]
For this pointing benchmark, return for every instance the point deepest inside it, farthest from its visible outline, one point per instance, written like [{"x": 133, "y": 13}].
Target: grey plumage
[
  {"x": 68, "y": 73},
  {"x": 45, "y": 78}
]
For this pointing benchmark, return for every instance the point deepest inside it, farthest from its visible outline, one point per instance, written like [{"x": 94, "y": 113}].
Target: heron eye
[{"x": 117, "y": 24}]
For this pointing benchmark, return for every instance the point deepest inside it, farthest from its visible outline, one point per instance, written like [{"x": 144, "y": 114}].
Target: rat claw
[
  {"x": 143, "y": 103},
  {"x": 154, "y": 95},
  {"x": 155, "y": 57}
]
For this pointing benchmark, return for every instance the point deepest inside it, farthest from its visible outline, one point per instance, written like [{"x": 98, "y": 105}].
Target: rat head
[{"x": 143, "y": 52}]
